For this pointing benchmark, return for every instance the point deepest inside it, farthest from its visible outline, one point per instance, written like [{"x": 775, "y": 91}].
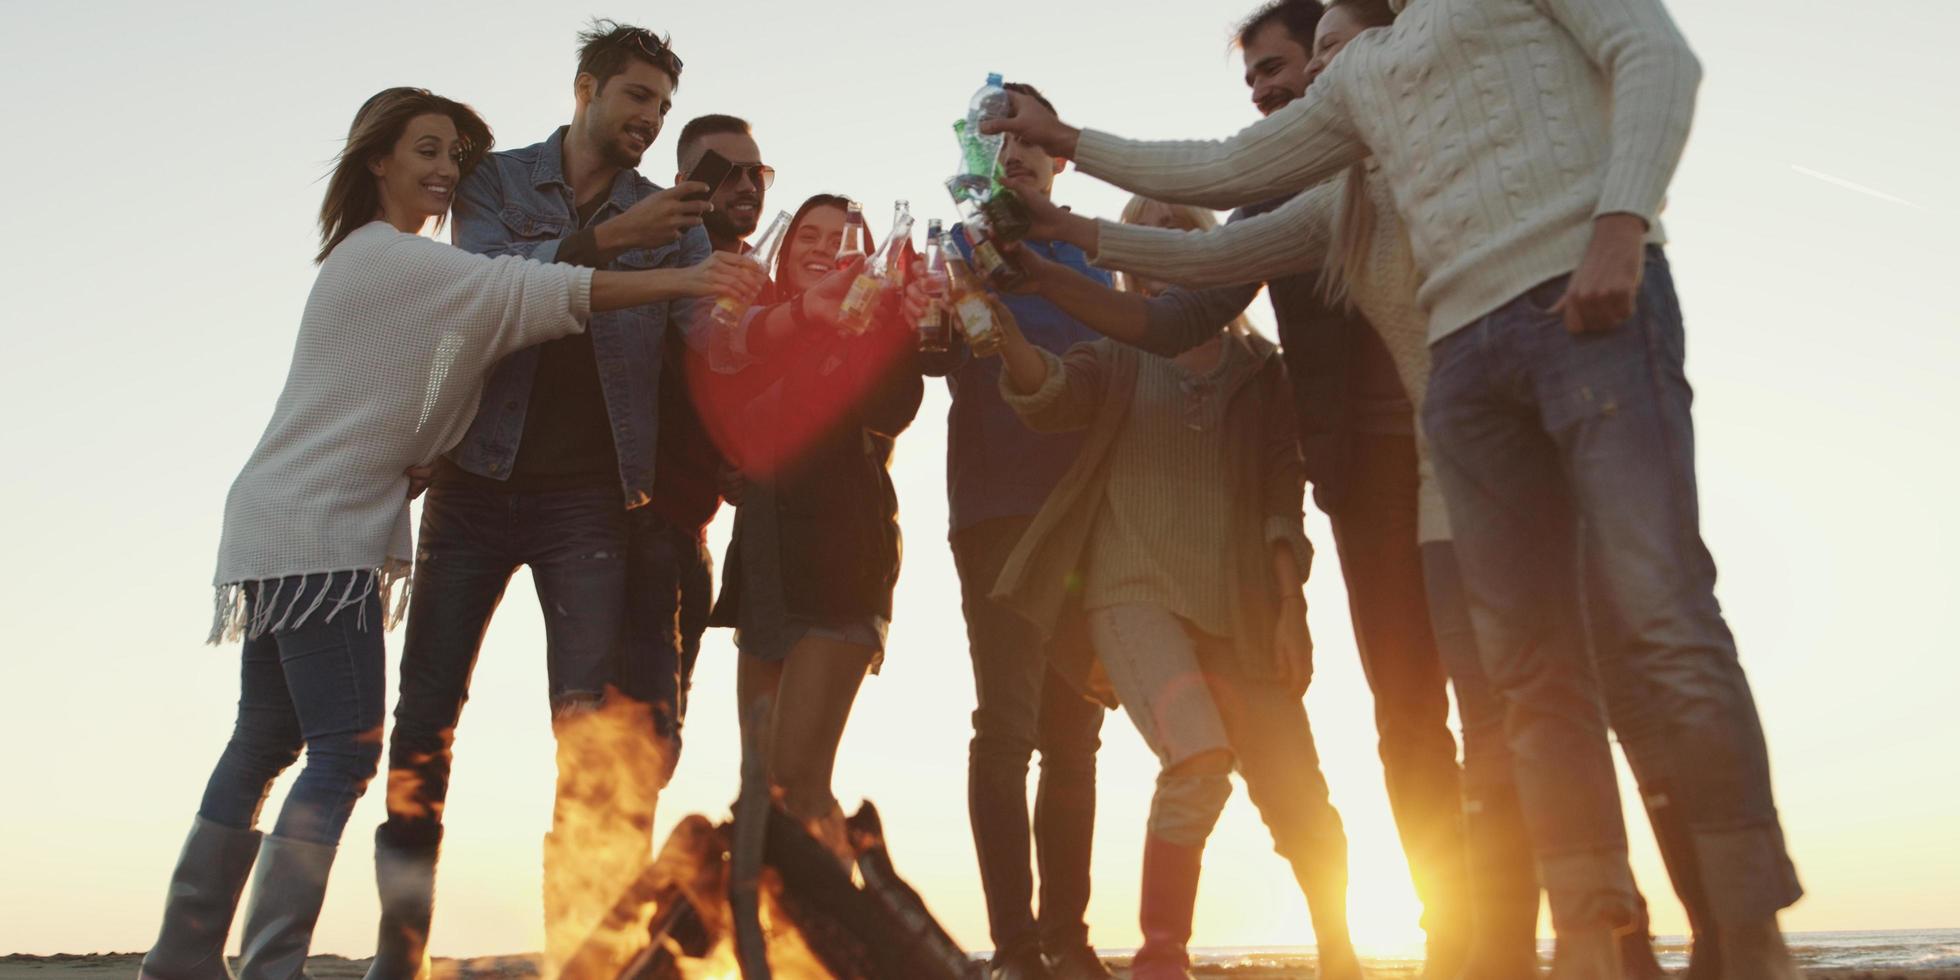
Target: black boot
[
  {"x": 1504, "y": 892},
  {"x": 203, "y": 897},
  {"x": 405, "y": 875},
  {"x": 287, "y": 889},
  {"x": 1677, "y": 846}
]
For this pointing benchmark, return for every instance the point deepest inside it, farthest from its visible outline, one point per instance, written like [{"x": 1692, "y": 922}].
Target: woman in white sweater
[
  {"x": 392, "y": 348},
  {"x": 1527, "y": 146}
]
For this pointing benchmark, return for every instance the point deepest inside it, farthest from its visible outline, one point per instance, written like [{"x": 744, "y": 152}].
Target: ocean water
[{"x": 1924, "y": 950}]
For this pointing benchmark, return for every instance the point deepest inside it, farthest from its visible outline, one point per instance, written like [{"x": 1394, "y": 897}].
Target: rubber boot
[
  {"x": 1164, "y": 910},
  {"x": 1756, "y": 951},
  {"x": 203, "y": 897},
  {"x": 1677, "y": 846},
  {"x": 287, "y": 889},
  {"x": 1587, "y": 954},
  {"x": 405, "y": 876},
  {"x": 1504, "y": 892},
  {"x": 1637, "y": 960}
]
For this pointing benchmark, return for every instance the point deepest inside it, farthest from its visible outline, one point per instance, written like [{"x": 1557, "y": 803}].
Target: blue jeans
[
  {"x": 318, "y": 686},
  {"x": 472, "y": 541},
  {"x": 1550, "y": 447}
]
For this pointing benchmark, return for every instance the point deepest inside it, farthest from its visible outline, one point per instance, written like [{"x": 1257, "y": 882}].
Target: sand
[{"x": 122, "y": 966}]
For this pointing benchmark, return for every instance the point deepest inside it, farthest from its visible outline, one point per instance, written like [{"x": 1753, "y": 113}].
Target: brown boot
[
  {"x": 1170, "y": 894},
  {"x": 1756, "y": 951},
  {"x": 1588, "y": 954}
]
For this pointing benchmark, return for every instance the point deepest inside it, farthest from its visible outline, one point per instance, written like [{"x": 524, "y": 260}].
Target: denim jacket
[{"x": 518, "y": 202}]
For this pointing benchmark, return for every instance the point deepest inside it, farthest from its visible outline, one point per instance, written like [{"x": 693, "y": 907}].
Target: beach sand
[{"x": 122, "y": 966}]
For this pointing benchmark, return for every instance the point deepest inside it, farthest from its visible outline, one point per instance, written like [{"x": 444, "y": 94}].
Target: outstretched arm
[
  {"x": 1297, "y": 147},
  {"x": 1292, "y": 239}
]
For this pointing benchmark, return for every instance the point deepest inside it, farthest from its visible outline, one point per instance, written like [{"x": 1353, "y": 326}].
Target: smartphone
[{"x": 712, "y": 169}]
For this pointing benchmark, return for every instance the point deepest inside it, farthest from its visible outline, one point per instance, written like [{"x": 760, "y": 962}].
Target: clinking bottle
[
  {"x": 972, "y": 307},
  {"x": 935, "y": 324},
  {"x": 856, "y": 243},
  {"x": 854, "y": 314},
  {"x": 999, "y": 269},
  {"x": 728, "y": 311}
]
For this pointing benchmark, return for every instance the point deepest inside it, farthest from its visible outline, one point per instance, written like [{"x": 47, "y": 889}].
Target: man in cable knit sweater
[{"x": 1528, "y": 145}]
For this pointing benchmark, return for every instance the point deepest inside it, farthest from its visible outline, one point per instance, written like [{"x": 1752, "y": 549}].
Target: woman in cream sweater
[{"x": 392, "y": 348}]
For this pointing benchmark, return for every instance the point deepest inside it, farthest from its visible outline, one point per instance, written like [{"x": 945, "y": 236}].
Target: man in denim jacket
[{"x": 552, "y": 475}]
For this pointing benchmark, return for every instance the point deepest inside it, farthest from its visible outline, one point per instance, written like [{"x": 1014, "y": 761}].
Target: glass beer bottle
[
  {"x": 972, "y": 307},
  {"x": 728, "y": 312},
  {"x": 935, "y": 325}
]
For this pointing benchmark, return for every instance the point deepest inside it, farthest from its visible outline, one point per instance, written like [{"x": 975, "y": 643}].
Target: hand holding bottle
[
  {"x": 824, "y": 301},
  {"x": 1050, "y": 221},
  {"x": 1031, "y": 121},
  {"x": 724, "y": 274}
]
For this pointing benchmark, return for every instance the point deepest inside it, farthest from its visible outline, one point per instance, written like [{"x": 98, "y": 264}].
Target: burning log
[{"x": 705, "y": 899}]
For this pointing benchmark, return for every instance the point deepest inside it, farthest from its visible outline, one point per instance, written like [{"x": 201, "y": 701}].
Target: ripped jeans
[
  {"x": 472, "y": 541},
  {"x": 1184, "y": 692},
  {"x": 318, "y": 686}
]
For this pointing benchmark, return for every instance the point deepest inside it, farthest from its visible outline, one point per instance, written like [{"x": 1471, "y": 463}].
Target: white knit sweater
[
  {"x": 1298, "y": 238},
  {"x": 398, "y": 334},
  {"x": 1503, "y": 128}
]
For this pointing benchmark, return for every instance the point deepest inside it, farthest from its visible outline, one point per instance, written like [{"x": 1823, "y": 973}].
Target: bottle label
[
  {"x": 855, "y": 313},
  {"x": 987, "y": 256},
  {"x": 977, "y": 320}
]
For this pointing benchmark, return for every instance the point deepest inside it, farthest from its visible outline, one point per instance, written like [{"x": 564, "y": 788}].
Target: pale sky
[{"x": 162, "y": 175}]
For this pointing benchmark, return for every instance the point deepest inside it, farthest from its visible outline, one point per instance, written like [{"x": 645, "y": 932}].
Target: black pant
[
  {"x": 472, "y": 541},
  {"x": 1025, "y": 706},
  {"x": 670, "y": 588},
  {"x": 1375, "y": 533}
]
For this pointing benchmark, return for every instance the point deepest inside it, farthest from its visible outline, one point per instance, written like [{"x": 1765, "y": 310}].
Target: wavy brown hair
[{"x": 353, "y": 196}]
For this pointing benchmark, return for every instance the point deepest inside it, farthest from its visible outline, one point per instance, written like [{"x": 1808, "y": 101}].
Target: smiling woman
[
  {"x": 414, "y": 145},
  {"x": 397, "y": 335}
]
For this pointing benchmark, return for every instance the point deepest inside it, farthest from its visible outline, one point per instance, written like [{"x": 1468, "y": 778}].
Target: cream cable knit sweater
[
  {"x": 1298, "y": 238},
  {"x": 397, "y": 336},
  {"x": 1503, "y": 128}
]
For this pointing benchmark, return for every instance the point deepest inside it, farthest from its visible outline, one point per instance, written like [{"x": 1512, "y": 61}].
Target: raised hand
[
  {"x": 824, "y": 301},
  {"x": 914, "y": 301},
  {"x": 658, "y": 220},
  {"x": 1033, "y": 122}
]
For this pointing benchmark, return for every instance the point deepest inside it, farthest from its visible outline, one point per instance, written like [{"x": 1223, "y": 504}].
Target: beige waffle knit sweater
[
  {"x": 1503, "y": 128},
  {"x": 397, "y": 336}
]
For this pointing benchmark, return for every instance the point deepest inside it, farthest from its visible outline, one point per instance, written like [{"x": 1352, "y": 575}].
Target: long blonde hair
[
  {"x": 1354, "y": 233},
  {"x": 1354, "y": 223},
  {"x": 1184, "y": 217}
]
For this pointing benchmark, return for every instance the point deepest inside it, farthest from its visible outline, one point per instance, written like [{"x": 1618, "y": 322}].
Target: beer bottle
[
  {"x": 972, "y": 307},
  {"x": 727, "y": 312},
  {"x": 935, "y": 325}
]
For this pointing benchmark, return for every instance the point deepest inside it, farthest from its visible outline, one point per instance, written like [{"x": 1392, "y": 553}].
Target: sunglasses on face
[{"x": 760, "y": 174}]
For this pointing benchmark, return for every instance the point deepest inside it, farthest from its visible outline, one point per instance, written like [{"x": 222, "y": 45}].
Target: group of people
[{"x": 1454, "y": 209}]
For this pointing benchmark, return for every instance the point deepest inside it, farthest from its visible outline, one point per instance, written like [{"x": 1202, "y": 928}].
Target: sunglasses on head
[{"x": 652, "y": 45}]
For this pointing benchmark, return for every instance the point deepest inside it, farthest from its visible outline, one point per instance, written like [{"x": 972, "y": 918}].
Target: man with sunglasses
[
  {"x": 671, "y": 573},
  {"x": 554, "y": 474}
]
